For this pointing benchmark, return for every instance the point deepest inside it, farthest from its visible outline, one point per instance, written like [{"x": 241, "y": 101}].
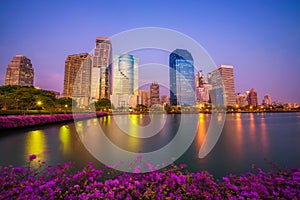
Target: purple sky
[{"x": 261, "y": 39}]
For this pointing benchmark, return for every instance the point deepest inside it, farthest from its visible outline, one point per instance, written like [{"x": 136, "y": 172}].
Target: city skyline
[{"x": 263, "y": 44}]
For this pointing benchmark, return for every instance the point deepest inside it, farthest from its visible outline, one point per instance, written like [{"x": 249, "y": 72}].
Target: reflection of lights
[
  {"x": 238, "y": 116},
  {"x": 201, "y": 117},
  {"x": 201, "y": 131},
  {"x": 220, "y": 117},
  {"x": 36, "y": 144},
  {"x": 64, "y": 136}
]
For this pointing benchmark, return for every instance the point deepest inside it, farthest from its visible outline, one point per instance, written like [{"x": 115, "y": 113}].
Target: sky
[{"x": 261, "y": 39}]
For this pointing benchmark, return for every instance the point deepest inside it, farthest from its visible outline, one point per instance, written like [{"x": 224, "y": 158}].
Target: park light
[
  {"x": 66, "y": 106},
  {"x": 39, "y": 103},
  {"x": 237, "y": 106},
  {"x": 251, "y": 107}
]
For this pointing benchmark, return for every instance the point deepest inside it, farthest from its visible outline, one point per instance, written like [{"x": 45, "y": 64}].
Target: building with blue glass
[{"x": 182, "y": 78}]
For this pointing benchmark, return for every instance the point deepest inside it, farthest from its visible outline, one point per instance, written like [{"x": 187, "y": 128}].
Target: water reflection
[
  {"x": 252, "y": 128},
  {"x": 264, "y": 134},
  {"x": 239, "y": 133},
  {"x": 36, "y": 144},
  {"x": 64, "y": 136},
  {"x": 201, "y": 130}
]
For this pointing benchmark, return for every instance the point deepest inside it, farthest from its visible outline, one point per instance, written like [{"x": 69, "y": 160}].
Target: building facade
[
  {"x": 101, "y": 74},
  {"x": 241, "y": 99},
  {"x": 154, "y": 94},
  {"x": 202, "y": 88},
  {"x": 182, "y": 79},
  {"x": 19, "y": 71},
  {"x": 252, "y": 98},
  {"x": 77, "y": 78},
  {"x": 125, "y": 81},
  {"x": 144, "y": 97},
  {"x": 222, "y": 80},
  {"x": 267, "y": 100}
]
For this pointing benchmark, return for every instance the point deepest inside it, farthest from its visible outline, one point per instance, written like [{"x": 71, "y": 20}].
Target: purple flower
[{"x": 32, "y": 157}]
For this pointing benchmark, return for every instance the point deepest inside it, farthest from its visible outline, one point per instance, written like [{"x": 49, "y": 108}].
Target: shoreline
[{"x": 26, "y": 121}]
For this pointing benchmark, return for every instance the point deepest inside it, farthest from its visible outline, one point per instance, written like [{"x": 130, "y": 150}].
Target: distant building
[
  {"x": 267, "y": 100},
  {"x": 241, "y": 100},
  {"x": 222, "y": 80},
  {"x": 202, "y": 88},
  {"x": 252, "y": 97},
  {"x": 154, "y": 94},
  {"x": 164, "y": 100},
  {"x": 144, "y": 97},
  {"x": 101, "y": 74},
  {"x": 77, "y": 78},
  {"x": 19, "y": 71},
  {"x": 182, "y": 79},
  {"x": 125, "y": 81}
]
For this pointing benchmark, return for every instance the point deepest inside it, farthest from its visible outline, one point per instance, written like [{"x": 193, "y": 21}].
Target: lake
[{"x": 246, "y": 139}]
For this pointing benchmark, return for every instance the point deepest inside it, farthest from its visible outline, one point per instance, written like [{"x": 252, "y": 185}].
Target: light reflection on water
[{"x": 246, "y": 138}]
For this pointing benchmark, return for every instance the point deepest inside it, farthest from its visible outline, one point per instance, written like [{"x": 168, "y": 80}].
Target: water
[{"x": 246, "y": 139}]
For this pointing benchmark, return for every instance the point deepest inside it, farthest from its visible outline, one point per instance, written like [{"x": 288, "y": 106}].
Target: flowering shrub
[
  {"x": 44, "y": 182},
  {"x": 7, "y": 122}
]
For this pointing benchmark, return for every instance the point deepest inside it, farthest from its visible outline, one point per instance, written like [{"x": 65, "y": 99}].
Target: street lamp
[{"x": 39, "y": 103}]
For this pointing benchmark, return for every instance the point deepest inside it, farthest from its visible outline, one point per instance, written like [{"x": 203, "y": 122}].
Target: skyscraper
[
  {"x": 19, "y": 71},
  {"x": 267, "y": 100},
  {"x": 223, "y": 79},
  {"x": 154, "y": 94},
  {"x": 101, "y": 78},
  {"x": 144, "y": 97},
  {"x": 77, "y": 65},
  {"x": 182, "y": 79},
  {"x": 125, "y": 81},
  {"x": 252, "y": 97},
  {"x": 202, "y": 88}
]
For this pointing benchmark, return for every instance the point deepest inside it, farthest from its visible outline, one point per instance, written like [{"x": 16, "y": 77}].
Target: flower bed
[
  {"x": 8, "y": 122},
  {"x": 60, "y": 183}
]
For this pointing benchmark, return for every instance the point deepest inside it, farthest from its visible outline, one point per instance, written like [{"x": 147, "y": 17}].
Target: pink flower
[{"x": 32, "y": 157}]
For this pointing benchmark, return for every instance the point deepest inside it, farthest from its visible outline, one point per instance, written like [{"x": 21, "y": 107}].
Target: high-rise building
[
  {"x": 202, "y": 88},
  {"x": 154, "y": 94},
  {"x": 125, "y": 81},
  {"x": 241, "y": 99},
  {"x": 144, "y": 98},
  {"x": 252, "y": 97},
  {"x": 222, "y": 80},
  {"x": 267, "y": 100},
  {"x": 19, "y": 71},
  {"x": 164, "y": 100},
  {"x": 182, "y": 79},
  {"x": 77, "y": 78},
  {"x": 101, "y": 78}
]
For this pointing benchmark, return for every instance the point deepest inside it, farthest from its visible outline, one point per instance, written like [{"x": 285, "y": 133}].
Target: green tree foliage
[{"x": 103, "y": 105}]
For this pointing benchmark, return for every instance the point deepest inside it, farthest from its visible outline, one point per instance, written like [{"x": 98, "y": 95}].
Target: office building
[
  {"x": 252, "y": 97},
  {"x": 222, "y": 80},
  {"x": 125, "y": 81},
  {"x": 77, "y": 78},
  {"x": 19, "y": 71},
  {"x": 144, "y": 97},
  {"x": 241, "y": 100},
  {"x": 182, "y": 79},
  {"x": 154, "y": 94},
  {"x": 101, "y": 74},
  {"x": 202, "y": 88},
  {"x": 267, "y": 100}
]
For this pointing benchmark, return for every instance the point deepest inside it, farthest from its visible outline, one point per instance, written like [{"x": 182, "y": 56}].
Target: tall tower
[
  {"x": 101, "y": 79},
  {"x": 77, "y": 65},
  {"x": 252, "y": 98},
  {"x": 125, "y": 81},
  {"x": 182, "y": 79},
  {"x": 19, "y": 71},
  {"x": 154, "y": 94},
  {"x": 223, "y": 76}
]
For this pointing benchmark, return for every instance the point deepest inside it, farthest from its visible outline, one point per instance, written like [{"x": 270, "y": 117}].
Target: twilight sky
[{"x": 261, "y": 39}]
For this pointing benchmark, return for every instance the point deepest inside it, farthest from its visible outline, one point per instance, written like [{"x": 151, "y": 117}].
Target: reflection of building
[
  {"x": 154, "y": 94},
  {"x": 182, "y": 80},
  {"x": 252, "y": 97},
  {"x": 241, "y": 100},
  {"x": 267, "y": 100},
  {"x": 222, "y": 80},
  {"x": 101, "y": 79},
  {"x": 144, "y": 98},
  {"x": 19, "y": 71},
  {"x": 202, "y": 88},
  {"x": 125, "y": 81},
  {"x": 77, "y": 78}
]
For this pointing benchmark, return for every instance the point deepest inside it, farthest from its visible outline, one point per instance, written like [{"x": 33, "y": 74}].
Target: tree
[{"x": 103, "y": 104}]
